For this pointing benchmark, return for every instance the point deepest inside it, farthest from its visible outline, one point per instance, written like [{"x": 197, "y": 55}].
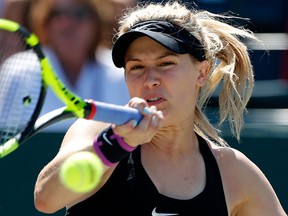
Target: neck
[{"x": 176, "y": 142}]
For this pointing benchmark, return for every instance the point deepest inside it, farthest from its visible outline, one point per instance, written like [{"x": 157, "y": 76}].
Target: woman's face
[{"x": 163, "y": 78}]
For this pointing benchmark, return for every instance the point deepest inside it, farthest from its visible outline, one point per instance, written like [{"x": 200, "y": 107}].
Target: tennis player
[{"x": 173, "y": 162}]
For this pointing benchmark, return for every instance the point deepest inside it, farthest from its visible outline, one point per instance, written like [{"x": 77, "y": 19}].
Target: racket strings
[{"x": 20, "y": 84}]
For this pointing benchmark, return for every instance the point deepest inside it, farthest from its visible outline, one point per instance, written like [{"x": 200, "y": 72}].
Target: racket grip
[{"x": 115, "y": 114}]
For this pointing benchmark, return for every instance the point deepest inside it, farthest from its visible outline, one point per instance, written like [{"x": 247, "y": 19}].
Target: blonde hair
[{"x": 229, "y": 60}]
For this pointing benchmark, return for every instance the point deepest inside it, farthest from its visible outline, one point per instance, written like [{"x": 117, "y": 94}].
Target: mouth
[{"x": 154, "y": 100}]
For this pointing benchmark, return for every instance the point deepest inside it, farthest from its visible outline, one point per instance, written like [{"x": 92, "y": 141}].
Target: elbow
[
  {"x": 42, "y": 204},
  {"x": 42, "y": 207}
]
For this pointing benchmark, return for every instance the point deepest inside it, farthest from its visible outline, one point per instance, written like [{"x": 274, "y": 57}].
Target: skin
[{"x": 160, "y": 80}]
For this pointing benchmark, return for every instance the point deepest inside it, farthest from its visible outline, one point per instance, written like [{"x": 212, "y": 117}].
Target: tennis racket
[{"x": 25, "y": 75}]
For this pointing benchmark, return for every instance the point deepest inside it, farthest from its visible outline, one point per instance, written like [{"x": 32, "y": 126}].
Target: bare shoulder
[
  {"x": 229, "y": 156},
  {"x": 233, "y": 161},
  {"x": 236, "y": 168},
  {"x": 247, "y": 190}
]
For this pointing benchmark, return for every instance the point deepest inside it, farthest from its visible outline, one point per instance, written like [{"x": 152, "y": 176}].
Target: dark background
[{"x": 264, "y": 139}]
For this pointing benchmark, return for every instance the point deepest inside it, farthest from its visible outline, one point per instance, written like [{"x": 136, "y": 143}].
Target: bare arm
[
  {"x": 260, "y": 198},
  {"x": 247, "y": 190},
  {"x": 49, "y": 194}
]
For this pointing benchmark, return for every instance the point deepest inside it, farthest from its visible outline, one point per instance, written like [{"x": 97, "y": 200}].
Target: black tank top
[{"x": 130, "y": 191}]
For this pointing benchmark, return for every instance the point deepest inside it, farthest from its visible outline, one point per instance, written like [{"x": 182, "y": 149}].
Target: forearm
[
  {"x": 50, "y": 195},
  {"x": 47, "y": 185}
]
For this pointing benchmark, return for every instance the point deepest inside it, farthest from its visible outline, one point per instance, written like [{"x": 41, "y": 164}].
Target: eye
[
  {"x": 167, "y": 63},
  {"x": 134, "y": 68}
]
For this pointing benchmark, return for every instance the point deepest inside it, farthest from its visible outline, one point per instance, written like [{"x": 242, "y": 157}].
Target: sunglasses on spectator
[{"x": 79, "y": 13}]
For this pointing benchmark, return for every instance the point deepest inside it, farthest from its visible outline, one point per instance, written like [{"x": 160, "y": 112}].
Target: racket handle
[{"x": 115, "y": 114}]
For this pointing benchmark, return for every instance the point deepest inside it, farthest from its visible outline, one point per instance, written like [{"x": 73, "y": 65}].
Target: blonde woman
[{"x": 173, "y": 162}]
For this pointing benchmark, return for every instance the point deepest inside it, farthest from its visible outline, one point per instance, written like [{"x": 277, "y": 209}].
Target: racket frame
[{"x": 75, "y": 106}]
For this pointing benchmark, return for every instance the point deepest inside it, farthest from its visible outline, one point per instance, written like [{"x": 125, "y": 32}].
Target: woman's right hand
[{"x": 136, "y": 134}]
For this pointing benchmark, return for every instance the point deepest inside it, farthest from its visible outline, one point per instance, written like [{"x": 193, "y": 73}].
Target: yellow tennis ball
[{"x": 81, "y": 172}]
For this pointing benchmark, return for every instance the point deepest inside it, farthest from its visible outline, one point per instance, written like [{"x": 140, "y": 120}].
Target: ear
[{"x": 203, "y": 72}]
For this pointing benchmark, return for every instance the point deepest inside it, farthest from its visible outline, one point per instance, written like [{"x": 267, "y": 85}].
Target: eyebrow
[{"x": 164, "y": 55}]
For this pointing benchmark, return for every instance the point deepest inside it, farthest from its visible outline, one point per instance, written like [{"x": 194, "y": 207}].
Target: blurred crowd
[{"x": 77, "y": 37}]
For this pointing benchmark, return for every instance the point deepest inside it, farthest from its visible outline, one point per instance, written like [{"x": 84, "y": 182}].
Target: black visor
[{"x": 169, "y": 35}]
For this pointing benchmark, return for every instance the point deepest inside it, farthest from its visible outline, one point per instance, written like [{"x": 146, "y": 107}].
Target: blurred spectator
[
  {"x": 1, "y": 8},
  {"x": 15, "y": 10},
  {"x": 111, "y": 12},
  {"x": 71, "y": 31}
]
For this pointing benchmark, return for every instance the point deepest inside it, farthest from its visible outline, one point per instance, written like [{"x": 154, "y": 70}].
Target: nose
[{"x": 151, "y": 79}]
